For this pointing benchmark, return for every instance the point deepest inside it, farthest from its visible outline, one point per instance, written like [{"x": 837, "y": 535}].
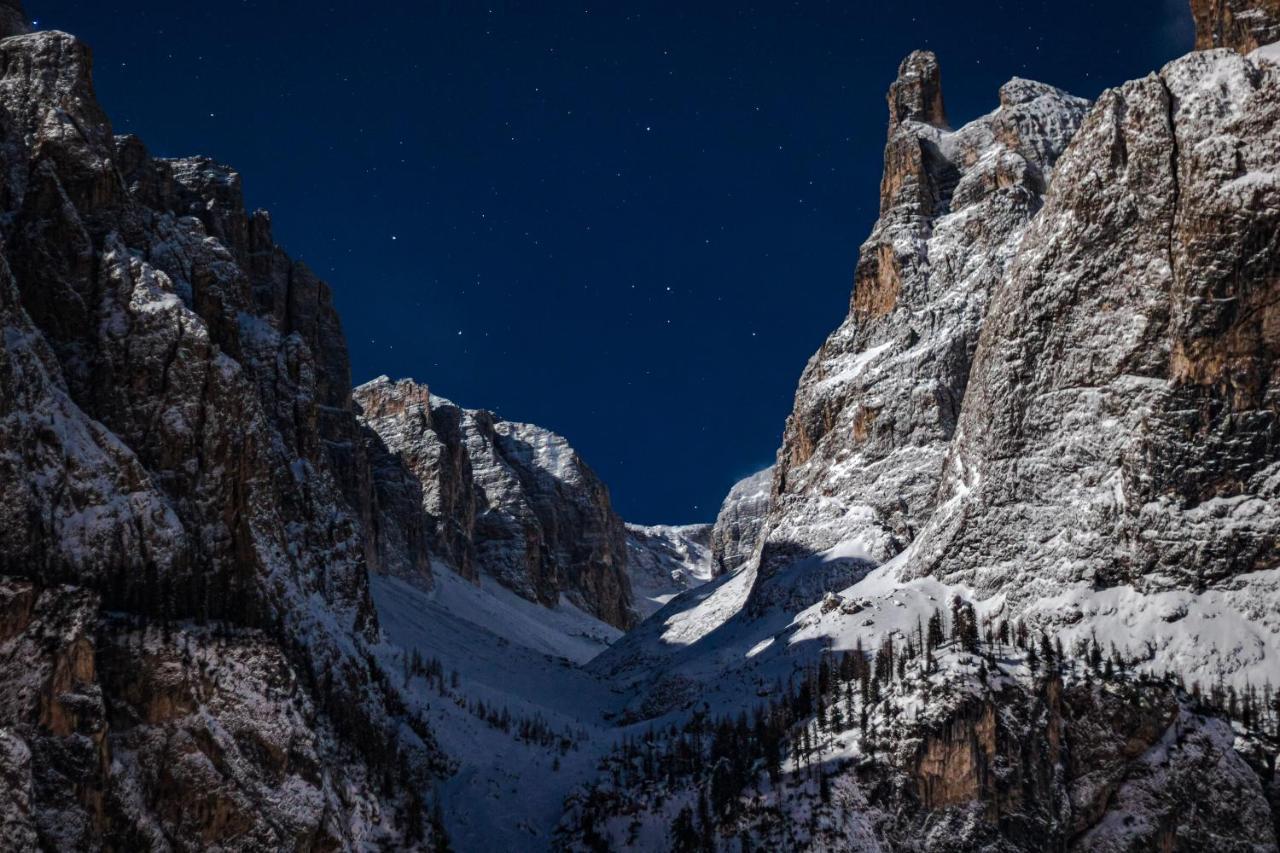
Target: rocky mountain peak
[
  {"x": 875, "y": 411},
  {"x": 917, "y": 93},
  {"x": 1242, "y": 25},
  {"x": 508, "y": 500}
]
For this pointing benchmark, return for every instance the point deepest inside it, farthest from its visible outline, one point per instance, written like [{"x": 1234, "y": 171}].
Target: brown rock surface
[
  {"x": 1242, "y": 25},
  {"x": 511, "y": 500}
]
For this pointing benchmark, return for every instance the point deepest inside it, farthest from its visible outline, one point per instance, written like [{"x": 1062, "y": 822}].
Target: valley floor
[{"x": 512, "y": 659}]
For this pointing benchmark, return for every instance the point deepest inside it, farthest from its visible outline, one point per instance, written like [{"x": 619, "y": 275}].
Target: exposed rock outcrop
[
  {"x": 1122, "y": 413},
  {"x": 741, "y": 521},
  {"x": 953, "y": 757},
  {"x": 1242, "y": 25},
  {"x": 1055, "y": 394},
  {"x": 178, "y": 444},
  {"x": 877, "y": 406},
  {"x": 123, "y": 736},
  {"x": 512, "y": 500}
]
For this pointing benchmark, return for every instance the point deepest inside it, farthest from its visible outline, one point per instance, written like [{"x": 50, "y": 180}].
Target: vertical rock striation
[
  {"x": 178, "y": 445},
  {"x": 740, "y": 521},
  {"x": 511, "y": 500},
  {"x": 877, "y": 406},
  {"x": 1122, "y": 429},
  {"x": 1241, "y": 25}
]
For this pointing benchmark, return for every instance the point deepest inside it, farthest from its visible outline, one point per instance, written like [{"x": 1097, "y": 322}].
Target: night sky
[{"x": 629, "y": 222}]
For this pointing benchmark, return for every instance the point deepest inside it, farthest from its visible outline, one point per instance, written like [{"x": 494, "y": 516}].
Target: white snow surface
[
  {"x": 509, "y": 654},
  {"x": 665, "y": 560},
  {"x": 1269, "y": 52}
]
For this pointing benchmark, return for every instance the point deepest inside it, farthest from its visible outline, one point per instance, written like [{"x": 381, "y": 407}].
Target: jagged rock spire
[
  {"x": 917, "y": 93},
  {"x": 1242, "y": 25},
  {"x": 13, "y": 20}
]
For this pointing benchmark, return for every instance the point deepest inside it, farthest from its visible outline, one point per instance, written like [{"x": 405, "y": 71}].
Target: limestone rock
[
  {"x": 877, "y": 406},
  {"x": 179, "y": 443},
  {"x": 511, "y": 500},
  {"x": 1242, "y": 25},
  {"x": 1122, "y": 408},
  {"x": 741, "y": 520}
]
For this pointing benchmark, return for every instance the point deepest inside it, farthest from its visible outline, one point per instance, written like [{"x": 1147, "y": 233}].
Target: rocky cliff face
[
  {"x": 877, "y": 406},
  {"x": 1055, "y": 398},
  {"x": 508, "y": 499},
  {"x": 128, "y": 736},
  {"x": 1242, "y": 25},
  {"x": 179, "y": 446},
  {"x": 740, "y": 521},
  {"x": 1123, "y": 405},
  {"x": 1057, "y": 375},
  {"x": 953, "y": 759}
]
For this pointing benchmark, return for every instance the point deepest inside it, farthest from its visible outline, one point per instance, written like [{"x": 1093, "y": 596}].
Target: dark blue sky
[{"x": 629, "y": 222}]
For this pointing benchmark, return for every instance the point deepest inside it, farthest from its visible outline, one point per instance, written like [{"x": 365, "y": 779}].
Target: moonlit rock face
[
  {"x": 876, "y": 408},
  {"x": 1105, "y": 445},
  {"x": 741, "y": 520},
  {"x": 1055, "y": 398},
  {"x": 510, "y": 500},
  {"x": 1121, "y": 412}
]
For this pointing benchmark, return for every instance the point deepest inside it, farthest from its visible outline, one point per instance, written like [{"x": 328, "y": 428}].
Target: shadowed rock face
[
  {"x": 177, "y": 442},
  {"x": 13, "y": 20},
  {"x": 511, "y": 500},
  {"x": 1242, "y": 25},
  {"x": 160, "y": 738}
]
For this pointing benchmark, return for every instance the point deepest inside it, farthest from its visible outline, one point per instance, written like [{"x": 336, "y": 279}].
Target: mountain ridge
[{"x": 1011, "y": 583}]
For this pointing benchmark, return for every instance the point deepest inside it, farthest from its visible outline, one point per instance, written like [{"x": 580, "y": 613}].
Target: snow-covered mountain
[
  {"x": 1048, "y": 426},
  {"x": 1012, "y": 583},
  {"x": 184, "y": 509},
  {"x": 508, "y": 500}
]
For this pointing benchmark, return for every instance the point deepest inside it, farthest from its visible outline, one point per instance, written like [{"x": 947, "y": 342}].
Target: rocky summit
[
  {"x": 1012, "y": 583},
  {"x": 511, "y": 500}
]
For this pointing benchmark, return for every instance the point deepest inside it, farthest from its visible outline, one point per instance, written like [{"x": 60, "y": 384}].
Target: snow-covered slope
[
  {"x": 497, "y": 679},
  {"x": 665, "y": 560}
]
